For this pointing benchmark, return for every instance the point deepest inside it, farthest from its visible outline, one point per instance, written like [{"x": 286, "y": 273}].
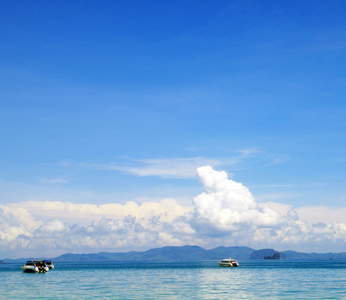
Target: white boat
[
  {"x": 49, "y": 264},
  {"x": 30, "y": 267},
  {"x": 42, "y": 266},
  {"x": 228, "y": 262},
  {"x": 35, "y": 266}
]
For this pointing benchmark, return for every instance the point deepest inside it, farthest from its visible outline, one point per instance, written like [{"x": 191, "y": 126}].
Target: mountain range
[{"x": 191, "y": 253}]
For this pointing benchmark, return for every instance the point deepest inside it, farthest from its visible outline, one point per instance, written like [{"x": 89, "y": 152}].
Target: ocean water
[{"x": 190, "y": 280}]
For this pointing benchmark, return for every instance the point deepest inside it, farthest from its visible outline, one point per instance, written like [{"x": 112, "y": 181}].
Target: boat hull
[
  {"x": 229, "y": 265},
  {"x": 30, "y": 269}
]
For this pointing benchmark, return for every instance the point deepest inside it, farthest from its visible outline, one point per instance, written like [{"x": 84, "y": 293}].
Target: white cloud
[
  {"x": 16, "y": 222},
  {"x": 167, "y": 209},
  {"x": 226, "y": 213},
  {"x": 166, "y": 168},
  {"x": 227, "y": 206},
  {"x": 175, "y": 167},
  {"x": 316, "y": 214},
  {"x": 170, "y": 168},
  {"x": 53, "y": 226},
  {"x": 283, "y": 209}
]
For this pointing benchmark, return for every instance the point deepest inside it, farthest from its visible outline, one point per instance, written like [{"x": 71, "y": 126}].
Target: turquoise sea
[{"x": 189, "y": 280}]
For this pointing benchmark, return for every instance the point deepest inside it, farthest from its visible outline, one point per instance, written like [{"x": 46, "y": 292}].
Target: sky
[{"x": 130, "y": 125}]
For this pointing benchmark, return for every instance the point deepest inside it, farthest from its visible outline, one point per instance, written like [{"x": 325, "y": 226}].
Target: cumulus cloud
[
  {"x": 69, "y": 227},
  {"x": 167, "y": 210},
  {"x": 226, "y": 213},
  {"x": 227, "y": 206},
  {"x": 53, "y": 226},
  {"x": 15, "y": 223}
]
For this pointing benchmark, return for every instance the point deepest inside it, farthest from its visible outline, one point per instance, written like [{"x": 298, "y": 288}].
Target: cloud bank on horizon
[{"x": 226, "y": 213}]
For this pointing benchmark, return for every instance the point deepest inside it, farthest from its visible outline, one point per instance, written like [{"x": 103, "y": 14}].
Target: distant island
[
  {"x": 269, "y": 254},
  {"x": 276, "y": 255},
  {"x": 192, "y": 253}
]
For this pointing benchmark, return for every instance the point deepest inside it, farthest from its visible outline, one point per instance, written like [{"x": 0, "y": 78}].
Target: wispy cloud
[
  {"x": 167, "y": 168},
  {"x": 178, "y": 167},
  {"x": 54, "y": 180},
  {"x": 279, "y": 159}
]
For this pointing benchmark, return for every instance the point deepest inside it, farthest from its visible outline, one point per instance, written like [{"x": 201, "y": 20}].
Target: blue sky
[{"x": 117, "y": 101}]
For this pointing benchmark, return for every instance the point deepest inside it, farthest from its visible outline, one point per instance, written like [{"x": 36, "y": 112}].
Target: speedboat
[
  {"x": 30, "y": 267},
  {"x": 35, "y": 266},
  {"x": 42, "y": 266},
  {"x": 228, "y": 262},
  {"x": 49, "y": 264}
]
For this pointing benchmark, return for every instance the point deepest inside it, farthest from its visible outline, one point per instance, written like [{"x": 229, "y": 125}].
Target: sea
[{"x": 253, "y": 279}]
